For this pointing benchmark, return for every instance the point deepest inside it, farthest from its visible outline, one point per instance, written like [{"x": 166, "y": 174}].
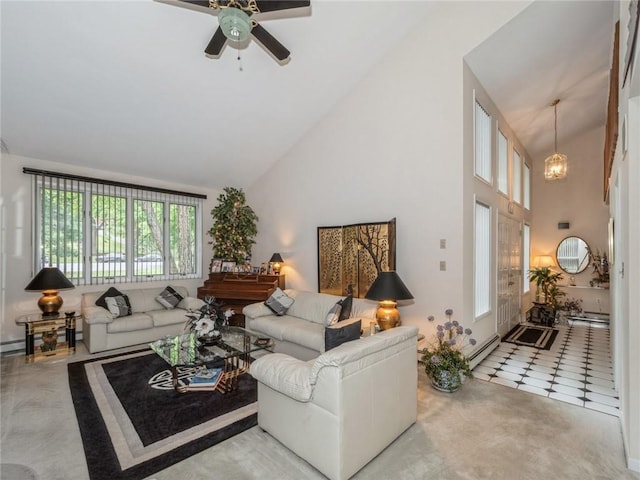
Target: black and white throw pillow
[
  {"x": 119, "y": 306},
  {"x": 279, "y": 302},
  {"x": 342, "y": 332},
  {"x": 334, "y": 314},
  {"x": 112, "y": 292},
  {"x": 169, "y": 298}
]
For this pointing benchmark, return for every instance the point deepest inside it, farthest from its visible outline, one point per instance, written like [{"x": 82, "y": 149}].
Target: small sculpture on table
[{"x": 49, "y": 340}]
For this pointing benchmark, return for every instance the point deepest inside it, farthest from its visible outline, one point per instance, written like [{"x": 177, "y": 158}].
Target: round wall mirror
[{"x": 573, "y": 255}]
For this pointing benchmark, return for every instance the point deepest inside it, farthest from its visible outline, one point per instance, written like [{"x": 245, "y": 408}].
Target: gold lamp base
[
  {"x": 50, "y": 303},
  {"x": 387, "y": 315}
]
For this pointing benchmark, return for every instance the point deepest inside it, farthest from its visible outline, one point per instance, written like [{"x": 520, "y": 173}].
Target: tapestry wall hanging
[{"x": 354, "y": 255}]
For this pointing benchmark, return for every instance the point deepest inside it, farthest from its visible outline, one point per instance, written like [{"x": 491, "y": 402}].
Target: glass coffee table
[{"x": 232, "y": 352}]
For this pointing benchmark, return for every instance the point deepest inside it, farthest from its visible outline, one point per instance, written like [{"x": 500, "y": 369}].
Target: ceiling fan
[{"x": 236, "y": 22}]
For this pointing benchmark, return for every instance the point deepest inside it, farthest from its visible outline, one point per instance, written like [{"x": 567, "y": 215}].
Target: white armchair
[{"x": 342, "y": 409}]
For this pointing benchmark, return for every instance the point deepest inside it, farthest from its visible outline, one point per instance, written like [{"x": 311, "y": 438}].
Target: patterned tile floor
[{"x": 577, "y": 369}]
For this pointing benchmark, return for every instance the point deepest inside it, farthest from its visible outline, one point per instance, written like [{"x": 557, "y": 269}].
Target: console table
[
  {"x": 48, "y": 327},
  {"x": 237, "y": 290},
  {"x": 595, "y": 302}
]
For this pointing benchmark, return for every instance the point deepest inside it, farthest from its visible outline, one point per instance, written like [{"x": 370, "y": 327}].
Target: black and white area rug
[
  {"x": 532, "y": 336},
  {"x": 134, "y": 424}
]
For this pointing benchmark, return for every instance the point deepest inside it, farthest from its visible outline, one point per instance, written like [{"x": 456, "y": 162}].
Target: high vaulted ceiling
[
  {"x": 553, "y": 50},
  {"x": 125, "y": 86}
]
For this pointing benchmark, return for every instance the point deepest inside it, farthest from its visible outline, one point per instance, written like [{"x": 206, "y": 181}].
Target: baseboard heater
[{"x": 483, "y": 351}]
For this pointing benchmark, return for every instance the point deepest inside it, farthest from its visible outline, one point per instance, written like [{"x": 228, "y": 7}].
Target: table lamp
[
  {"x": 388, "y": 289},
  {"x": 48, "y": 281},
  {"x": 542, "y": 261},
  {"x": 276, "y": 263}
]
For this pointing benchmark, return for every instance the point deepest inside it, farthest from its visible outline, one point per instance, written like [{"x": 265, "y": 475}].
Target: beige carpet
[{"x": 484, "y": 431}]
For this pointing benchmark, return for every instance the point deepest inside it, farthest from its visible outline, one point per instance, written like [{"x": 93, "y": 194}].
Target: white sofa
[
  {"x": 300, "y": 332},
  {"x": 341, "y": 410},
  {"x": 149, "y": 320}
]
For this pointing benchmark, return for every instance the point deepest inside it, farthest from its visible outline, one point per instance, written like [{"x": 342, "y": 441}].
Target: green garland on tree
[{"x": 234, "y": 227}]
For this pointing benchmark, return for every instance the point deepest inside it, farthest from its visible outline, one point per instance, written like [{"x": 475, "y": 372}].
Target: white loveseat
[
  {"x": 341, "y": 410},
  {"x": 148, "y": 321},
  {"x": 300, "y": 332}
]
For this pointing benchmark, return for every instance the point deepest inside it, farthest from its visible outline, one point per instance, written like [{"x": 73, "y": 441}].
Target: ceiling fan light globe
[{"x": 235, "y": 24}]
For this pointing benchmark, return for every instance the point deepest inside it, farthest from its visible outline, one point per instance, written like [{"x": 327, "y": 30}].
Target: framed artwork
[
  {"x": 354, "y": 255},
  {"x": 216, "y": 265},
  {"x": 228, "y": 266},
  {"x": 263, "y": 268}
]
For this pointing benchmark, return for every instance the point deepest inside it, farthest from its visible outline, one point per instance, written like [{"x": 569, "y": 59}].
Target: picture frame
[
  {"x": 263, "y": 268},
  {"x": 228, "y": 266},
  {"x": 216, "y": 265}
]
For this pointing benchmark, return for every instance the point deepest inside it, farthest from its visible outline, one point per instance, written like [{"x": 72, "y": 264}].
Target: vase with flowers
[
  {"x": 208, "y": 321},
  {"x": 444, "y": 360}
]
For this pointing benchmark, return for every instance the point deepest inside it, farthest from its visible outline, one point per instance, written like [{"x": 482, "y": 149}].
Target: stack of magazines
[{"x": 206, "y": 378}]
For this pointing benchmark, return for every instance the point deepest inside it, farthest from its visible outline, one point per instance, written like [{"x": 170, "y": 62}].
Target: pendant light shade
[{"x": 555, "y": 166}]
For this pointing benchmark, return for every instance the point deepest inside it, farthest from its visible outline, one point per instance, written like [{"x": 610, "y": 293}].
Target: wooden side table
[{"x": 48, "y": 328}]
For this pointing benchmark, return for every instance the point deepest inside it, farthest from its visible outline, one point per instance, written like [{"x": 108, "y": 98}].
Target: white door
[{"x": 509, "y": 273}]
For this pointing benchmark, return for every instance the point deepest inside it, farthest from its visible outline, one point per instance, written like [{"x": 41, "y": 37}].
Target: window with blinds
[
  {"x": 97, "y": 231},
  {"x": 517, "y": 177},
  {"x": 526, "y": 265},
  {"x": 482, "y": 260},
  {"x": 526, "y": 187},
  {"x": 482, "y": 142},
  {"x": 503, "y": 163}
]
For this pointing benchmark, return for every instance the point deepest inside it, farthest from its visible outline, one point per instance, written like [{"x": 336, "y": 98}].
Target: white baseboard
[{"x": 483, "y": 351}]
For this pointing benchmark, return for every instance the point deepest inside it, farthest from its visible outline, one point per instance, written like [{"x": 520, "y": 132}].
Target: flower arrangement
[
  {"x": 207, "y": 321},
  {"x": 444, "y": 361},
  {"x": 573, "y": 305}
]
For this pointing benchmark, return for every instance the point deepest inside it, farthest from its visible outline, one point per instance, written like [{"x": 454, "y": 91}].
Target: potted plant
[
  {"x": 546, "y": 281},
  {"x": 234, "y": 227},
  {"x": 600, "y": 264},
  {"x": 444, "y": 360}
]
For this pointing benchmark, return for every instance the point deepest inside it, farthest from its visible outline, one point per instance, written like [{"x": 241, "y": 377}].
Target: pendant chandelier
[{"x": 555, "y": 166}]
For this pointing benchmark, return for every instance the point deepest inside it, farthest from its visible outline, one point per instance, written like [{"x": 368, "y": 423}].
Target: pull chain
[{"x": 239, "y": 61}]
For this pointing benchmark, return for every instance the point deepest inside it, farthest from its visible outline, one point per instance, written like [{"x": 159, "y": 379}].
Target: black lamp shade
[
  {"x": 276, "y": 258},
  {"x": 388, "y": 286},
  {"x": 49, "y": 278}
]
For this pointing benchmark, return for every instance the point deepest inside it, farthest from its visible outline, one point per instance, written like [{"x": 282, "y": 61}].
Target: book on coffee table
[{"x": 208, "y": 378}]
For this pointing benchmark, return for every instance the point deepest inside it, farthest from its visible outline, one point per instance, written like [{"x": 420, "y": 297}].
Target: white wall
[
  {"x": 391, "y": 148},
  {"x": 487, "y": 193},
  {"x": 578, "y": 200},
  {"x": 625, "y": 278},
  {"x": 16, "y": 264}
]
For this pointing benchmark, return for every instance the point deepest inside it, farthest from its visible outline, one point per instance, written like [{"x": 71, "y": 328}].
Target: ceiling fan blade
[
  {"x": 273, "y": 5},
  {"x": 216, "y": 44},
  {"x": 197, "y": 5},
  {"x": 270, "y": 43}
]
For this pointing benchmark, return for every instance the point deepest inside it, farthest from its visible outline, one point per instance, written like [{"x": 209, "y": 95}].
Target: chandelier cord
[{"x": 555, "y": 125}]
